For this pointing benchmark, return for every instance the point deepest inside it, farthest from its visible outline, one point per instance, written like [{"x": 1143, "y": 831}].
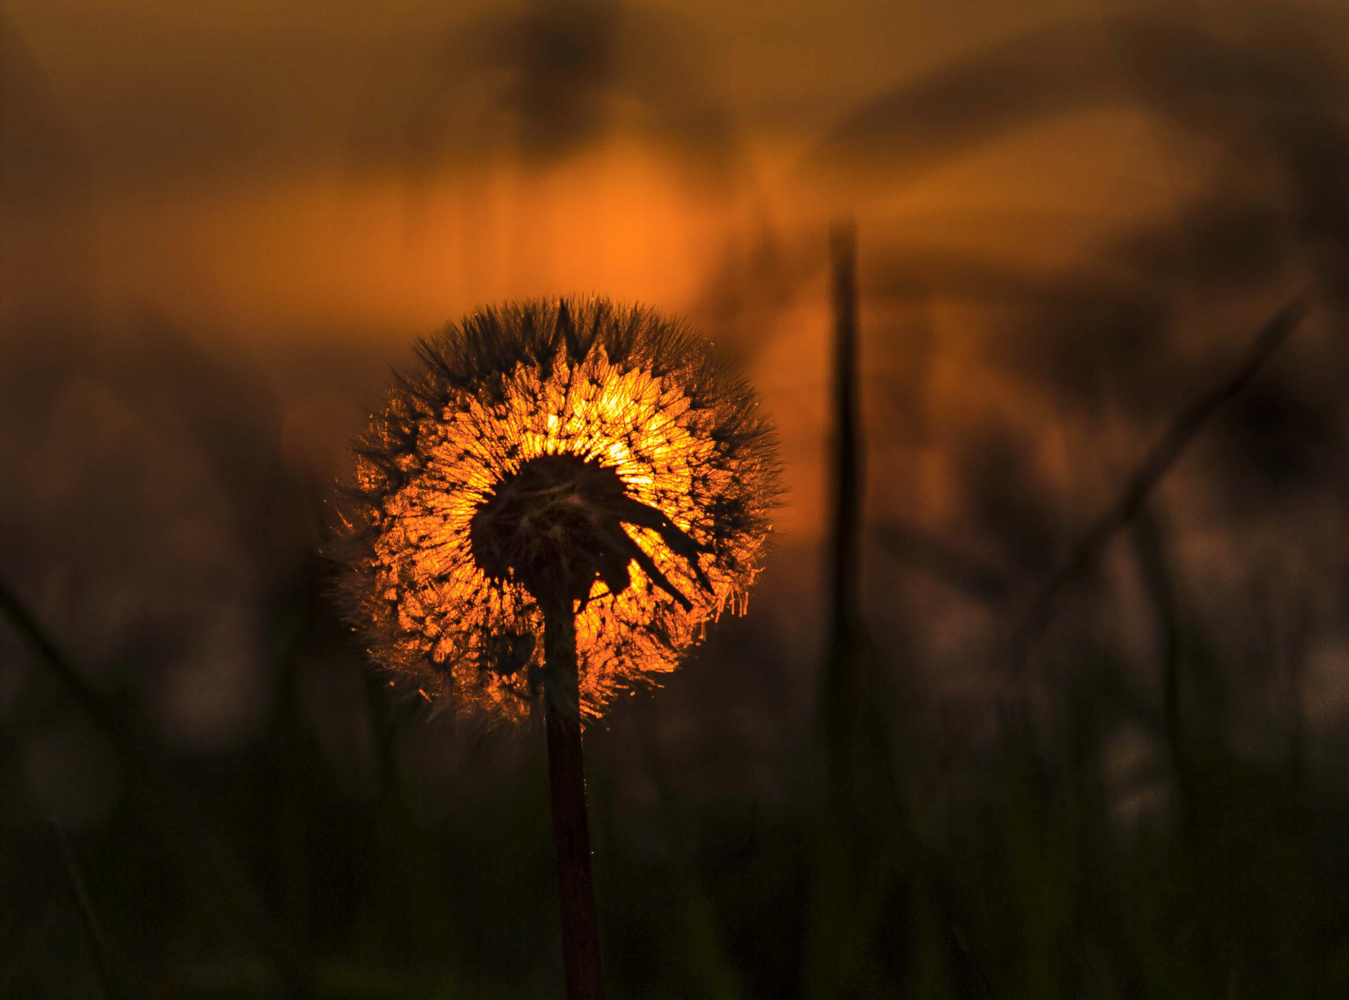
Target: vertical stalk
[
  {"x": 836, "y": 937},
  {"x": 571, "y": 833},
  {"x": 1149, "y": 544},
  {"x": 841, "y": 681}
]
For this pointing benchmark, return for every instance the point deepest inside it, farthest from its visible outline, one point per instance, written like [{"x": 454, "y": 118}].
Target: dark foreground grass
[
  {"x": 1120, "y": 829},
  {"x": 1048, "y": 868}
]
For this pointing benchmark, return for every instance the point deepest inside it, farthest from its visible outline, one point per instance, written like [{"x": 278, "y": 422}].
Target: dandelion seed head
[{"x": 569, "y": 451}]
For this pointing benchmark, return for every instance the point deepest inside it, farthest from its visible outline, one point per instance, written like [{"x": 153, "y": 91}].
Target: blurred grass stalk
[
  {"x": 848, "y": 880},
  {"x": 110, "y": 984},
  {"x": 840, "y": 688},
  {"x": 837, "y": 938},
  {"x": 1014, "y": 656}
]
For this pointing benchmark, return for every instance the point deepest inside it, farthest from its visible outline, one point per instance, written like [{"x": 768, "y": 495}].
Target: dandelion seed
[{"x": 569, "y": 451}]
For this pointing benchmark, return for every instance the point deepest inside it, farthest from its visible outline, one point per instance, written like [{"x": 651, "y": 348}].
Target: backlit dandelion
[
  {"x": 556, "y": 501},
  {"x": 555, "y": 452}
]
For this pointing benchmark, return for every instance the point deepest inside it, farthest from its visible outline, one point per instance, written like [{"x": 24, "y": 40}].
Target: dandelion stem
[{"x": 571, "y": 833}]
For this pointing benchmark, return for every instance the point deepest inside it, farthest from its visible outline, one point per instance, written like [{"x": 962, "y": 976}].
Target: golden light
[{"x": 576, "y": 448}]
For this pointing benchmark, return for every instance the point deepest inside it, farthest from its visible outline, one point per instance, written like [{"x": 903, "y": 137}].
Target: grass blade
[
  {"x": 109, "y": 985},
  {"x": 1014, "y": 654},
  {"x": 202, "y": 854}
]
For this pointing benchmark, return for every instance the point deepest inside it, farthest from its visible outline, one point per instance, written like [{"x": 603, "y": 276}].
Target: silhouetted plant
[{"x": 550, "y": 509}]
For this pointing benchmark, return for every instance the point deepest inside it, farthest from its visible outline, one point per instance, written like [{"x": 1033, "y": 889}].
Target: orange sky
[
  {"x": 246, "y": 165},
  {"x": 245, "y": 172}
]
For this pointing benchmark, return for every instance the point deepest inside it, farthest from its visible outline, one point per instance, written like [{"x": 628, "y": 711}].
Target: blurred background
[{"x": 1054, "y": 701}]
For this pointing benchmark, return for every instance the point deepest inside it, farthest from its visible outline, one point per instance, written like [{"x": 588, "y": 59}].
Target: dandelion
[{"x": 549, "y": 511}]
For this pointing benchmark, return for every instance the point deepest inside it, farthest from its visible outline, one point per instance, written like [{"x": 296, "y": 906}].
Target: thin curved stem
[
  {"x": 571, "y": 831},
  {"x": 204, "y": 855},
  {"x": 110, "y": 985}
]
